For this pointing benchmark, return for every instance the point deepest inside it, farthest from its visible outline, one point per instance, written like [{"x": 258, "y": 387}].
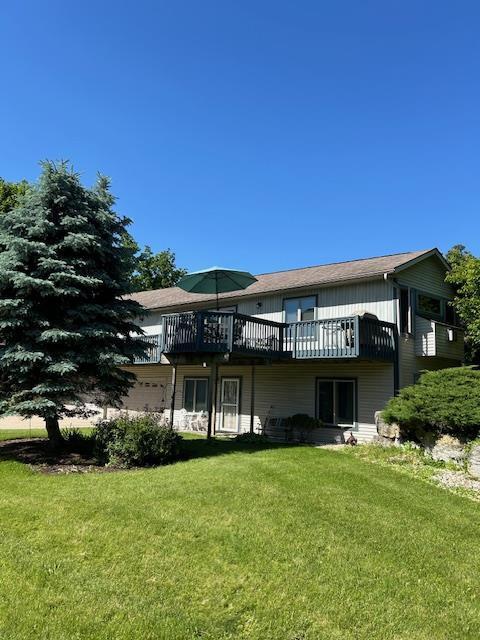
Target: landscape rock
[
  {"x": 383, "y": 441},
  {"x": 390, "y": 431},
  {"x": 448, "y": 449},
  {"x": 474, "y": 461}
]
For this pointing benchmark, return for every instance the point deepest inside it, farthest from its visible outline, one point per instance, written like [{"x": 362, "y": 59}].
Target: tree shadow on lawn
[{"x": 37, "y": 453}]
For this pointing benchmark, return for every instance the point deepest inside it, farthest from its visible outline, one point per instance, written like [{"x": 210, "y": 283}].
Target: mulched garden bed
[{"x": 37, "y": 453}]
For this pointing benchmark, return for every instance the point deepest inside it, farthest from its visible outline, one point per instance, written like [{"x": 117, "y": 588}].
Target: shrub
[
  {"x": 127, "y": 441},
  {"x": 253, "y": 438},
  {"x": 445, "y": 402},
  {"x": 302, "y": 421},
  {"x": 78, "y": 441}
]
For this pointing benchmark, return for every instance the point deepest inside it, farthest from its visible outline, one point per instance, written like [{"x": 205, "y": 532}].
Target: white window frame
[
  {"x": 195, "y": 379},
  {"x": 299, "y": 309},
  {"x": 343, "y": 425},
  {"x": 238, "y": 380}
]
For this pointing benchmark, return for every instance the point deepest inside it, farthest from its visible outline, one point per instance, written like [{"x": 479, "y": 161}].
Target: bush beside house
[
  {"x": 143, "y": 440},
  {"x": 445, "y": 402},
  {"x": 301, "y": 425},
  {"x": 127, "y": 441},
  {"x": 442, "y": 413}
]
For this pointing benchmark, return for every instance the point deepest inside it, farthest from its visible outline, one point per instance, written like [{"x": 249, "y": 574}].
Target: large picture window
[
  {"x": 300, "y": 309},
  {"x": 336, "y": 402},
  {"x": 195, "y": 395}
]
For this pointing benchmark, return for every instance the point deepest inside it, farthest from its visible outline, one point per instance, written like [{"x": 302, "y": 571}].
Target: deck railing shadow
[{"x": 193, "y": 448}]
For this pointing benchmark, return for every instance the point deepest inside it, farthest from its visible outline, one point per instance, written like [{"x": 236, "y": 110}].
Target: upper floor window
[
  {"x": 404, "y": 303},
  {"x": 429, "y": 305},
  {"x": 299, "y": 309},
  {"x": 450, "y": 315}
]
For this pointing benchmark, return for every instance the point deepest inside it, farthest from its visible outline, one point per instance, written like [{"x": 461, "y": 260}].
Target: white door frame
[{"x": 237, "y": 404}]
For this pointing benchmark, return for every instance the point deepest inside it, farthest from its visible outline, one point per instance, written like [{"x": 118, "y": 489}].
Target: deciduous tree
[
  {"x": 465, "y": 277},
  {"x": 156, "y": 270}
]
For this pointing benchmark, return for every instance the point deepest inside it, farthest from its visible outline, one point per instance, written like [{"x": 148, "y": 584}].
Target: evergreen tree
[{"x": 64, "y": 326}]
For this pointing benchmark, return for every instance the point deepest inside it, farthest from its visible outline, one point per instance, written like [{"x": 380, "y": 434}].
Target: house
[{"x": 334, "y": 341}]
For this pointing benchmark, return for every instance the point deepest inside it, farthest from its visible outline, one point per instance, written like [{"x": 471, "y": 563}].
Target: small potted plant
[{"x": 304, "y": 425}]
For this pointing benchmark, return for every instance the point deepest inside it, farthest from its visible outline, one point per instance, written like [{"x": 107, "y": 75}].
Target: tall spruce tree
[{"x": 65, "y": 326}]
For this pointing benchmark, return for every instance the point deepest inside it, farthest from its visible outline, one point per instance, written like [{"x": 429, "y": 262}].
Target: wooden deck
[{"x": 211, "y": 332}]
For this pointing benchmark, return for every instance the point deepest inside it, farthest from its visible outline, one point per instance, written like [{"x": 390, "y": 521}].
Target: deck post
[
  {"x": 357, "y": 338},
  {"x": 252, "y": 399},
  {"x": 230, "y": 325},
  {"x": 213, "y": 399},
  {"x": 173, "y": 390},
  {"x": 199, "y": 330}
]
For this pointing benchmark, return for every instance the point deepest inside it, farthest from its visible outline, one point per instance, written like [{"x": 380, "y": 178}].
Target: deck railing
[
  {"x": 349, "y": 337},
  {"x": 218, "y": 332},
  {"x": 153, "y": 351}
]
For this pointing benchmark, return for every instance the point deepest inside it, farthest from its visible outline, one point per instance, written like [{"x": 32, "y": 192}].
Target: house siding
[
  {"x": 374, "y": 296},
  {"x": 427, "y": 275},
  {"x": 282, "y": 390}
]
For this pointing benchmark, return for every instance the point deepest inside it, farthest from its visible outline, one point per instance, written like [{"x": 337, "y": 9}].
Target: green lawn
[
  {"x": 282, "y": 543},
  {"x": 9, "y": 434}
]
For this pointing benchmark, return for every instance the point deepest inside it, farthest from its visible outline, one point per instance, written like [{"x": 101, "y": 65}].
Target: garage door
[{"x": 148, "y": 394}]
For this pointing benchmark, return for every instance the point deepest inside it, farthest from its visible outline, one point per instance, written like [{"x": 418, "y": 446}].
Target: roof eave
[
  {"x": 231, "y": 298},
  {"x": 424, "y": 256}
]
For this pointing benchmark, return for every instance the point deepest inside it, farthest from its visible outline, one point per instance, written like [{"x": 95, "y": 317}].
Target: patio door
[{"x": 230, "y": 409}]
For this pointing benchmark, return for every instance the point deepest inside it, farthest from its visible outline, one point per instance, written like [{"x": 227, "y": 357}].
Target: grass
[
  {"x": 10, "y": 434},
  {"x": 238, "y": 542}
]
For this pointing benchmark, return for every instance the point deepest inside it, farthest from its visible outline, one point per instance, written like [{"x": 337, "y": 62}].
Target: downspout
[
  {"x": 173, "y": 391},
  {"x": 396, "y": 359}
]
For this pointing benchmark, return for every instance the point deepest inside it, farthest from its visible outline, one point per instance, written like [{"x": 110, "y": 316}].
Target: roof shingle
[{"x": 269, "y": 283}]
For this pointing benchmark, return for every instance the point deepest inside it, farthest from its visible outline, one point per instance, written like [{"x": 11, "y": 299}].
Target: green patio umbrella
[{"x": 216, "y": 280}]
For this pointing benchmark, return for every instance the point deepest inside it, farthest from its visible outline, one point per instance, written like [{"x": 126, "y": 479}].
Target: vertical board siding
[{"x": 375, "y": 296}]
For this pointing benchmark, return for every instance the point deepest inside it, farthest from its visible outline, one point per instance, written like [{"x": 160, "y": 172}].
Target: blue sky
[{"x": 258, "y": 135}]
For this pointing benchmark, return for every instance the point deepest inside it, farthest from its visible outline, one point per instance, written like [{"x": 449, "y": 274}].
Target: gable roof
[{"x": 269, "y": 283}]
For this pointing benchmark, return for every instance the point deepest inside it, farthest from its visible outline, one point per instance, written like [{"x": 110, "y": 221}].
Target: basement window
[
  {"x": 195, "y": 394},
  {"x": 336, "y": 402}
]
